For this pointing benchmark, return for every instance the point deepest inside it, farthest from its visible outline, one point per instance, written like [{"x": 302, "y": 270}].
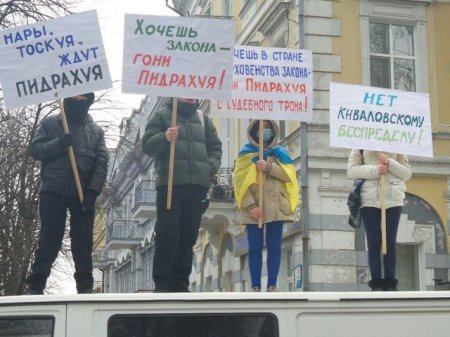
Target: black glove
[
  {"x": 89, "y": 201},
  {"x": 65, "y": 140}
]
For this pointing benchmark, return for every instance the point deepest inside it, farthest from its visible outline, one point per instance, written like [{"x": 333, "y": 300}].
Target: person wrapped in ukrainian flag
[{"x": 280, "y": 199}]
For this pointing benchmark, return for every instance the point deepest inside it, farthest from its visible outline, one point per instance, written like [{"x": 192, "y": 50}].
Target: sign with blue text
[
  {"x": 380, "y": 119},
  {"x": 53, "y": 59},
  {"x": 177, "y": 56},
  {"x": 269, "y": 83}
]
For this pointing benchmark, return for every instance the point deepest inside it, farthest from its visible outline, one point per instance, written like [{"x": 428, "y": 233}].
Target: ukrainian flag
[{"x": 245, "y": 173}]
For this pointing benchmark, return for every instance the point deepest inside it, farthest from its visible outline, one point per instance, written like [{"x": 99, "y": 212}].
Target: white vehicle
[{"x": 343, "y": 314}]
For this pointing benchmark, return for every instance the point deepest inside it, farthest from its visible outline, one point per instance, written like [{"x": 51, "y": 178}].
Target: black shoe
[
  {"x": 32, "y": 291},
  {"x": 181, "y": 290},
  {"x": 162, "y": 290},
  {"x": 390, "y": 284},
  {"x": 376, "y": 284}
]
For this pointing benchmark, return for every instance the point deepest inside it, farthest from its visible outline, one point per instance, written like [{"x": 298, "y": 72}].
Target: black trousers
[
  {"x": 53, "y": 214},
  {"x": 372, "y": 224},
  {"x": 176, "y": 233}
]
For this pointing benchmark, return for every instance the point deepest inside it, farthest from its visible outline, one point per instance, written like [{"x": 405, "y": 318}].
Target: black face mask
[
  {"x": 187, "y": 108},
  {"x": 76, "y": 111}
]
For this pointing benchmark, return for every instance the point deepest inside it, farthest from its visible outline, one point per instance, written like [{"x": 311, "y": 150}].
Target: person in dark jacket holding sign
[
  {"x": 59, "y": 193},
  {"x": 370, "y": 166},
  {"x": 198, "y": 152}
]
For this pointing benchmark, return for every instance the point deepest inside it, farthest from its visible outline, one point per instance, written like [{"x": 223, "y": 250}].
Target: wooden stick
[
  {"x": 261, "y": 173},
  {"x": 172, "y": 157},
  {"x": 73, "y": 163},
  {"x": 383, "y": 216}
]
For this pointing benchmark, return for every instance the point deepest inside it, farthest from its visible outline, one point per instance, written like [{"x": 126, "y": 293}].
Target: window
[
  {"x": 194, "y": 325},
  {"x": 392, "y": 59},
  {"x": 26, "y": 327},
  {"x": 147, "y": 262},
  {"x": 394, "y": 44},
  {"x": 226, "y": 8}
]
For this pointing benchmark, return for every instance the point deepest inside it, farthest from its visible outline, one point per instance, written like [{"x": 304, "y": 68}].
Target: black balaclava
[
  {"x": 76, "y": 111},
  {"x": 187, "y": 109}
]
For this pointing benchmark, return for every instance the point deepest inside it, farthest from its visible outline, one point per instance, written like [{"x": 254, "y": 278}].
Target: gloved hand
[
  {"x": 65, "y": 140},
  {"x": 89, "y": 201}
]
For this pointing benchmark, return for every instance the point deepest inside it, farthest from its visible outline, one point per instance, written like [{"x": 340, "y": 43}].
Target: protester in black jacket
[{"x": 59, "y": 192}]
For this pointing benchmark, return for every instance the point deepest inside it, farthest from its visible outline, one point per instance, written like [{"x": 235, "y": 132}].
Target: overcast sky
[{"x": 111, "y": 17}]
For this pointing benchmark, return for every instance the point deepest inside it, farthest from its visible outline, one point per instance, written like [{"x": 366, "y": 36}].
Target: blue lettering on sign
[
  {"x": 379, "y": 99},
  {"x": 25, "y": 34},
  {"x": 45, "y": 46}
]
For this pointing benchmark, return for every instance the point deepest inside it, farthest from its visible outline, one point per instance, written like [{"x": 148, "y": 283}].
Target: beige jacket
[
  {"x": 276, "y": 205},
  {"x": 399, "y": 172}
]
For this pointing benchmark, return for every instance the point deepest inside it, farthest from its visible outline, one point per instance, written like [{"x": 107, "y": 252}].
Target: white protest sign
[
  {"x": 54, "y": 59},
  {"x": 380, "y": 119},
  {"x": 177, "y": 56},
  {"x": 269, "y": 83}
]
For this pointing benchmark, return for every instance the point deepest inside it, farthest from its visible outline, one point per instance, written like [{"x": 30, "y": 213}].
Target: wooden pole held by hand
[
  {"x": 73, "y": 163},
  {"x": 260, "y": 173},
  {"x": 171, "y": 157},
  {"x": 383, "y": 216}
]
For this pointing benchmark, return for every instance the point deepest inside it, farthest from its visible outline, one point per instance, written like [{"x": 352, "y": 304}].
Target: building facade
[{"x": 393, "y": 44}]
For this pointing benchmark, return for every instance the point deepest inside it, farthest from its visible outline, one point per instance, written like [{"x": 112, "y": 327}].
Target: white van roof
[{"x": 227, "y": 296}]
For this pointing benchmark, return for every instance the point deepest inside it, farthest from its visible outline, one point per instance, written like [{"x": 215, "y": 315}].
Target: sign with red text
[
  {"x": 380, "y": 119},
  {"x": 53, "y": 59},
  {"x": 269, "y": 83},
  {"x": 178, "y": 56}
]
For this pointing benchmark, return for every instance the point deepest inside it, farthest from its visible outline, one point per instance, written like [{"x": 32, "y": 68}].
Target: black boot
[
  {"x": 376, "y": 284},
  {"x": 390, "y": 284},
  {"x": 32, "y": 291}
]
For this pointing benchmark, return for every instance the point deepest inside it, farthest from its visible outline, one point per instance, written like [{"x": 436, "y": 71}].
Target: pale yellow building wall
[
  {"x": 431, "y": 189},
  {"x": 434, "y": 189},
  {"x": 348, "y": 46},
  {"x": 439, "y": 33}
]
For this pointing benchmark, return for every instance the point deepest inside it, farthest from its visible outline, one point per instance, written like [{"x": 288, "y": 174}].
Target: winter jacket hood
[{"x": 253, "y": 136}]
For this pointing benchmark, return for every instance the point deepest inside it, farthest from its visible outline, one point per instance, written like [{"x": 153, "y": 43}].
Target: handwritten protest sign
[
  {"x": 176, "y": 56},
  {"x": 380, "y": 119},
  {"x": 269, "y": 83},
  {"x": 54, "y": 59}
]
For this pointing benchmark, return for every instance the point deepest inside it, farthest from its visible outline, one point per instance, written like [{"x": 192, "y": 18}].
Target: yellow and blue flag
[{"x": 245, "y": 173}]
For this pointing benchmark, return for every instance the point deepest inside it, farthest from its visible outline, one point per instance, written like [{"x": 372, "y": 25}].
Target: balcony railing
[
  {"x": 103, "y": 257},
  {"x": 122, "y": 234},
  {"x": 145, "y": 192},
  {"x": 222, "y": 191},
  {"x": 145, "y": 200}
]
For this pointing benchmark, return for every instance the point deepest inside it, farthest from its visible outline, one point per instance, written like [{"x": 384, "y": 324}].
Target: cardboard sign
[
  {"x": 380, "y": 119},
  {"x": 177, "y": 56},
  {"x": 269, "y": 83},
  {"x": 54, "y": 59}
]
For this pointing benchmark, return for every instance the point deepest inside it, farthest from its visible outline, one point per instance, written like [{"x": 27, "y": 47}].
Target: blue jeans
[
  {"x": 255, "y": 237},
  {"x": 372, "y": 223}
]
